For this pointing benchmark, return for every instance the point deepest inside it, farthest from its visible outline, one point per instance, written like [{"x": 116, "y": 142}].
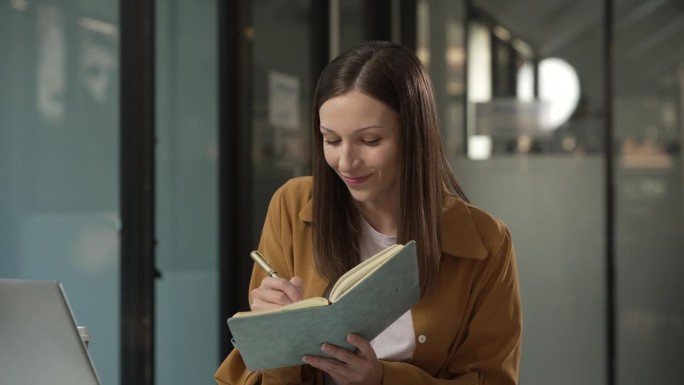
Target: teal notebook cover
[{"x": 274, "y": 340}]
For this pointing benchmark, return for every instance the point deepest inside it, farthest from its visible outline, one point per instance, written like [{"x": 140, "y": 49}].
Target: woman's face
[{"x": 361, "y": 143}]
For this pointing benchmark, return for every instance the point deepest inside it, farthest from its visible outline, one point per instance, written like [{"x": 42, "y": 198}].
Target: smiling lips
[{"x": 355, "y": 181}]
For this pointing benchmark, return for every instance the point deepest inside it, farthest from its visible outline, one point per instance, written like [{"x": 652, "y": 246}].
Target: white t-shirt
[{"x": 398, "y": 341}]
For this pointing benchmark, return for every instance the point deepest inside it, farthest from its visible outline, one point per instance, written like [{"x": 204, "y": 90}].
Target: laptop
[{"x": 39, "y": 338}]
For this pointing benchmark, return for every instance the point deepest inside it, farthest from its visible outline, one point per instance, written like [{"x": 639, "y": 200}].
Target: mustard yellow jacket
[{"x": 468, "y": 330}]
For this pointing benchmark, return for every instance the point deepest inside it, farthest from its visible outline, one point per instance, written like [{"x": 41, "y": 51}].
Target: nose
[{"x": 349, "y": 159}]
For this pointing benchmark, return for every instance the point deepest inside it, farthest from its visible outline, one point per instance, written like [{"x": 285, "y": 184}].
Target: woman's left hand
[{"x": 361, "y": 367}]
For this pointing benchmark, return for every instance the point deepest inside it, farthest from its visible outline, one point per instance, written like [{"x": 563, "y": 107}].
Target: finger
[
  {"x": 292, "y": 292},
  {"x": 363, "y": 345},
  {"x": 331, "y": 366},
  {"x": 275, "y": 292},
  {"x": 341, "y": 354},
  {"x": 267, "y": 298},
  {"x": 299, "y": 285},
  {"x": 349, "y": 367},
  {"x": 341, "y": 372}
]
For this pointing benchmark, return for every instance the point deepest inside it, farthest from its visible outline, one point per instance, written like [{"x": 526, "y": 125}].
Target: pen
[{"x": 261, "y": 261}]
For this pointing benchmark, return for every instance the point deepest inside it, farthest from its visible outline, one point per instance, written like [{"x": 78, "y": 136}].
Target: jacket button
[{"x": 422, "y": 339}]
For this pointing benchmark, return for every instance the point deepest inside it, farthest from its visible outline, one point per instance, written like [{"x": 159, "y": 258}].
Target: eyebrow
[{"x": 359, "y": 130}]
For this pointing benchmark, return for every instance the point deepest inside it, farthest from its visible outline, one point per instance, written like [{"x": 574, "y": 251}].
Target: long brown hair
[{"x": 393, "y": 75}]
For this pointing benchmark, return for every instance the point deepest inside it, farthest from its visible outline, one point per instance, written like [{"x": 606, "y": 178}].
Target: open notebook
[
  {"x": 39, "y": 338},
  {"x": 364, "y": 301},
  {"x": 345, "y": 284}
]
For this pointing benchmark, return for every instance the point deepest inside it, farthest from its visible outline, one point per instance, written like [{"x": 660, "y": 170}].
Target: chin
[{"x": 361, "y": 197}]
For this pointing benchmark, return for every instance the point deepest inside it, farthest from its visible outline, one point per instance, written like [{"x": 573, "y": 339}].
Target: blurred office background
[{"x": 565, "y": 118}]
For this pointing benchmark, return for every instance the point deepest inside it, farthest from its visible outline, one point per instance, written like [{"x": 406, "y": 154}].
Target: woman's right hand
[{"x": 276, "y": 292}]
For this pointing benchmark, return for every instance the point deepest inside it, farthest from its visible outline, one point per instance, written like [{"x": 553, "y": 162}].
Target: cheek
[
  {"x": 330, "y": 157},
  {"x": 389, "y": 160}
]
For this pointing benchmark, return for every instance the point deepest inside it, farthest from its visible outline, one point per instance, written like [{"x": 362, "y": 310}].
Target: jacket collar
[{"x": 460, "y": 237}]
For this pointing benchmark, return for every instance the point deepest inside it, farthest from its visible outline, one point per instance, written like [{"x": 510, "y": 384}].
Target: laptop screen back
[{"x": 39, "y": 338}]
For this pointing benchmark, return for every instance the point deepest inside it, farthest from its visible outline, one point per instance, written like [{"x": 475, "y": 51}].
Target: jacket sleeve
[
  {"x": 233, "y": 371},
  {"x": 490, "y": 352}
]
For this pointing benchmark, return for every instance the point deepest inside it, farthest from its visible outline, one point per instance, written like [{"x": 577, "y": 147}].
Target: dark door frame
[
  {"x": 235, "y": 164},
  {"x": 137, "y": 189}
]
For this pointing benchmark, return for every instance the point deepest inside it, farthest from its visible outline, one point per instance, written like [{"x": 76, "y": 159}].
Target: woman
[{"x": 381, "y": 177}]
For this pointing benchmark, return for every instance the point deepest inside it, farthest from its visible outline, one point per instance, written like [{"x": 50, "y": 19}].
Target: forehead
[{"x": 355, "y": 108}]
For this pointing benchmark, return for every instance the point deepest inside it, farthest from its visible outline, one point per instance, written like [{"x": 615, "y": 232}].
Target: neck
[{"x": 384, "y": 220}]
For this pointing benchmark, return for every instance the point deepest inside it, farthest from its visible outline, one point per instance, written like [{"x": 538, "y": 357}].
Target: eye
[
  {"x": 331, "y": 142},
  {"x": 371, "y": 142}
]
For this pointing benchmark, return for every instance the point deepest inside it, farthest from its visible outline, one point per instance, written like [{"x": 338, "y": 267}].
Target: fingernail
[
  {"x": 305, "y": 359},
  {"x": 324, "y": 347},
  {"x": 350, "y": 337}
]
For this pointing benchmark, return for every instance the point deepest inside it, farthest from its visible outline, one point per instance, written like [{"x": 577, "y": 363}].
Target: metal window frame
[
  {"x": 235, "y": 164},
  {"x": 137, "y": 189}
]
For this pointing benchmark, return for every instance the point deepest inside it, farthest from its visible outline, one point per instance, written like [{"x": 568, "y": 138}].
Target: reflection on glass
[
  {"x": 559, "y": 91},
  {"x": 520, "y": 112},
  {"x": 282, "y": 90},
  {"x": 550, "y": 193},
  {"x": 479, "y": 64},
  {"x": 479, "y": 87},
  {"x": 284, "y": 116},
  {"x": 525, "y": 91},
  {"x": 97, "y": 62},
  {"x": 440, "y": 46},
  {"x": 51, "y": 79}
]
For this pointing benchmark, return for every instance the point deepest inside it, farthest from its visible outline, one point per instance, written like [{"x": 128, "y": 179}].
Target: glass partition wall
[
  {"x": 648, "y": 133},
  {"x": 282, "y": 89},
  {"x": 187, "y": 322},
  {"x": 598, "y": 223},
  {"x": 538, "y": 163},
  {"x": 59, "y": 167},
  {"x": 59, "y": 125}
]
